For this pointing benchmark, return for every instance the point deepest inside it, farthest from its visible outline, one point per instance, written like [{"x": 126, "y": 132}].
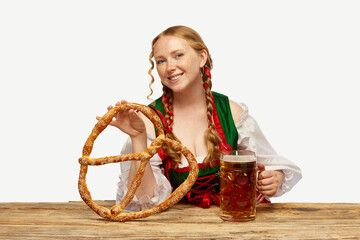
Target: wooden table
[{"x": 74, "y": 220}]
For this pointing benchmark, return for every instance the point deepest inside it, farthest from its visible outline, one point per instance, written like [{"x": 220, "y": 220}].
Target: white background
[{"x": 294, "y": 63}]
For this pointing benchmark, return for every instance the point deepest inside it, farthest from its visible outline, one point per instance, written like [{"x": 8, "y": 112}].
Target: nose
[{"x": 170, "y": 67}]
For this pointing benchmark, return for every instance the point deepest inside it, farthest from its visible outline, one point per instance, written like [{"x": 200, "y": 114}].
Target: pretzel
[{"x": 116, "y": 212}]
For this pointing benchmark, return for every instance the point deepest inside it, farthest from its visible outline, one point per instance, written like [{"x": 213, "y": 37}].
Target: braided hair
[{"x": 211, "y": 136}]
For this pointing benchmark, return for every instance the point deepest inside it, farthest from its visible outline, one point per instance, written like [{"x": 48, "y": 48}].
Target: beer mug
[{"x": 238, "y": 195}]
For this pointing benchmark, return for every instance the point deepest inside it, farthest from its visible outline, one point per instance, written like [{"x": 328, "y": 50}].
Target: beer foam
[{"x": 239, "y": 158}]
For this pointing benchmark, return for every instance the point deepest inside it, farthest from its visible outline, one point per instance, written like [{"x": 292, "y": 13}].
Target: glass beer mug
[{"x": 238, "y": 176}]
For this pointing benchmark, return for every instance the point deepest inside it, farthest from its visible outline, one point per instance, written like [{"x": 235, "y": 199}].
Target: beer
[{"x": 238, "y": 187}]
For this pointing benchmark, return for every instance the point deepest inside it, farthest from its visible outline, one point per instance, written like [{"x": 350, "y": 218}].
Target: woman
[{"x": 205, "y": 122}]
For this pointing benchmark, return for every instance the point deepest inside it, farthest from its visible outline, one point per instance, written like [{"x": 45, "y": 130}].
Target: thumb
[{"x": 261, "y": 167}]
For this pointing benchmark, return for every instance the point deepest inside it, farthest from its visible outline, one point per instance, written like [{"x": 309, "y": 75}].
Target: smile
[{"x": 175, "y": 77}]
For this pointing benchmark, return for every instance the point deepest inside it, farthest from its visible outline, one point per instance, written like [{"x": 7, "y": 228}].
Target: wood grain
[{"x": 74, "y": 220}]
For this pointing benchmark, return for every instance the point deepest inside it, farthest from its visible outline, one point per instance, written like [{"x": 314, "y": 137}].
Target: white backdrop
[{"x": 294, "y": 63}]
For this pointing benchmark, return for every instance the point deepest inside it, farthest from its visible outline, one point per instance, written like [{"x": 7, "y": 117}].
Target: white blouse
[{"x": 250, "y": 138}]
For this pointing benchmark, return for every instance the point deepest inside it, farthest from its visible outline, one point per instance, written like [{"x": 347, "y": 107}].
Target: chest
[{"x": 190, "y": 130}]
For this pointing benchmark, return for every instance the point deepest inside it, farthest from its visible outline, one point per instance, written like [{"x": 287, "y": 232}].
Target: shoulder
[{"x": 236, "y": 111}]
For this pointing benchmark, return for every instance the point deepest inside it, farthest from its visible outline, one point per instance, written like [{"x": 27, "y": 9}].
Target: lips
[{"x": 174, "y": 78}]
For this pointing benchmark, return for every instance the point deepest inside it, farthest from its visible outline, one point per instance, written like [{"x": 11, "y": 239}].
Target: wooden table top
[{"x": 75, "y": 220}]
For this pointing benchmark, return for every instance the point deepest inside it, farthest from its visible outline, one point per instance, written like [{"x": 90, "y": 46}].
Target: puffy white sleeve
[
  {"x": 251, "y": 138},
  {"x": 161, "y": 192}
]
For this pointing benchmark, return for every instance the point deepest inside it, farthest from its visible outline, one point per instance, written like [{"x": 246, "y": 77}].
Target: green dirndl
[{"x": 206, "y": 189}]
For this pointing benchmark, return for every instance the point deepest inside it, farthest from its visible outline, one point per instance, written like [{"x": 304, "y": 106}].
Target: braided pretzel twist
[{"x": 116, "y": 212}]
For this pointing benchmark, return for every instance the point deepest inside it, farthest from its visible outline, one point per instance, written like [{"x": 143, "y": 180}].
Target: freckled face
[{"x": 177, "y": 63}]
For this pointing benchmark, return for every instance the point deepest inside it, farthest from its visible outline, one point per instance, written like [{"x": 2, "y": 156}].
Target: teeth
[{"x": 176, "y": 77}]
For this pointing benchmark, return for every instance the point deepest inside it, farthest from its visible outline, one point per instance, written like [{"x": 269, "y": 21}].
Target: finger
[
  {"x": 98, "y": 118},
  {"x": 109, "y": 107},
  {"x": 131, "y": 112},
  {"x": 268, "y": 181},
  {"x": 267, "y": 187},
  {"x": 123, "y": 114},
  {"x": 267, "y": 174},
  {"x": 268, "y": 193},
  {"x": 123, "y": 101},
  {"x": 117, "y": 104},
  {"x": 128, "y": 114},
  {"x": 133, "y": 115},
  {"x": 261, "y": 168},
  {"x": 268, "y": 190}
]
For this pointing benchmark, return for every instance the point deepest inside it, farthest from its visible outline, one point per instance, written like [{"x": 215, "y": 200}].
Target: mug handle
[{"x": 259, "y": 197}]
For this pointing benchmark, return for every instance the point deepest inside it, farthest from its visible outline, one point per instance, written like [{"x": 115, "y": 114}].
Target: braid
[
  {"x": 211, "y": 136},
  {"x": 168, "y": 106},
  {"x": 169, "y": 117}
]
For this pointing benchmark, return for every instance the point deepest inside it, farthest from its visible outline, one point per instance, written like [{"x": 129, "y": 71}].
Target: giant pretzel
[{"x": 116, "y": 212}]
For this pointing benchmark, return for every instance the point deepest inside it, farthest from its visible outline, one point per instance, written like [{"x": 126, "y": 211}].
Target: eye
[
  {"x": 160, "y": 61},
  {"x": 179, "y": 55}
]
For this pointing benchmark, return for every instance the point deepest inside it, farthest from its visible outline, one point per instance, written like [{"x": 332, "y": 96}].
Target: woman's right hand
[
  {"x": 132, "y": 123},
  {"x": 128, "y": 121}
]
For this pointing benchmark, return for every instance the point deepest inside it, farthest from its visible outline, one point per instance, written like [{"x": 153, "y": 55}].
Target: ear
[{"x": 203, "y": 57}]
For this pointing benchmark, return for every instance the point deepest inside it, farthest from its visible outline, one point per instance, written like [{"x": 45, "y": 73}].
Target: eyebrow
[{"x": 177, "y": 50}]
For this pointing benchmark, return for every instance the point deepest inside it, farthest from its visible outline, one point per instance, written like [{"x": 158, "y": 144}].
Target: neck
[{"x": 194, "y": 96}]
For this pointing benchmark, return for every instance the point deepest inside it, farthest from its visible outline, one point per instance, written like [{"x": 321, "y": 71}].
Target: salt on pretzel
[{"x": 116, "y": 212}]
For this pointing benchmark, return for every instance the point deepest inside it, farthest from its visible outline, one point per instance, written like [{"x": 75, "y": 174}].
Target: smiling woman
[
  {"x": 184, "y": 61},
  {"x": 178, "y": 64},
  {"x": 206, "y": 122}
]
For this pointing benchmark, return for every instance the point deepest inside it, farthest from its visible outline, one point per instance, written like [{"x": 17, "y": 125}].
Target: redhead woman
[{"x": 206, "y": 122}]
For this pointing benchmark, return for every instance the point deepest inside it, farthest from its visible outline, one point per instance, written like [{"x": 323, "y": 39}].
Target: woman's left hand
[{"x": 269, "y": 180}]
